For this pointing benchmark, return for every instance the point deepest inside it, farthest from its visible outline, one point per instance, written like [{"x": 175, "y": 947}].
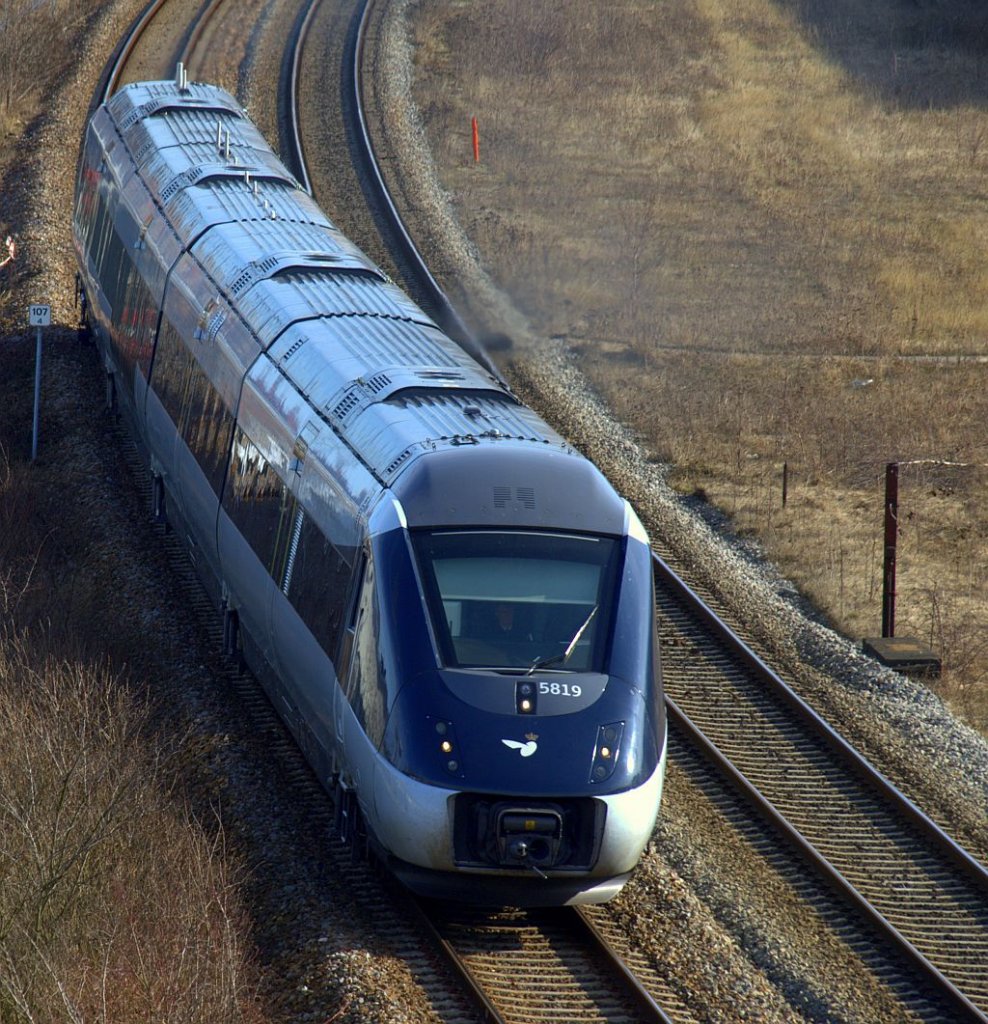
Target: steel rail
[
  {"x": 296, "y": 142},
  {"x": 650, "y": 1009},
  {"x": 118, "y": 60},
  {"x": 198, "y": 28},
  {"x": 945, "y": 845},
  {"x": 866, "y": 772},
  {"x": 489, "y": 1012},
  {"x": 110, "y": 79},
  {"x": 449, "y": 318},
  {"x": 834, "y": 879}
]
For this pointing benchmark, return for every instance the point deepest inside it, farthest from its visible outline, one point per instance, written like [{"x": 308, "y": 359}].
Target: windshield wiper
[{"x": 554, "y": 659}]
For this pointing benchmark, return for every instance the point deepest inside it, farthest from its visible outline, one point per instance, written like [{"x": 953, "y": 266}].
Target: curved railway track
[
  {"x": 908, "y": 900},
  {"x": 918, "y": 895},
  {"x": 921, "y": 895}
]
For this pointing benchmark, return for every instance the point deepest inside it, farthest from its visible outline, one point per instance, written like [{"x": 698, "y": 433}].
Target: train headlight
[
  {"x": 447, "y": 745},
  {"x": 526, "y": 693},
  {"x": 606, "y": 750}
]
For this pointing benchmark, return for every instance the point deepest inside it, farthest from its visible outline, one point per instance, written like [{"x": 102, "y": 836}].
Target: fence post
[{"x": 891, "y": 537}]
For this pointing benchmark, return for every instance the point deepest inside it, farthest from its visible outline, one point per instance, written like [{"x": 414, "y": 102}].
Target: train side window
[
  {"x": 88, "y": 205},
  {"x": 193, "y": 404},
  {"x": 111, "y": 268},
  {"x": 319, "y": 584},
  {"x": 350, "y": 629},
  {"x": 102, "y": 230},
  {"x": 171, "y": 359},
  {"x": 259, "y": 503},
  {"x": 206, "y": 425},
  {"x": 365, "y": 684},
  {"x": 136, "y": 323}
]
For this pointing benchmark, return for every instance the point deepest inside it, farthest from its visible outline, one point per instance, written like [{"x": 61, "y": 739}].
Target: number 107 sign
[{"x": 39, "y": 316}]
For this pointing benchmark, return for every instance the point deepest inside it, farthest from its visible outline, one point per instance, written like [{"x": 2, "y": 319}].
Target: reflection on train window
[
  {"x": 318, "y": 580},
  {"x": 514, "y": 599},
  {"x": 89, "y": 207},
  {"x": 365, "y": 686},
  {"x": 260, "y": 505},
  {"x": 193, "y": 404}
]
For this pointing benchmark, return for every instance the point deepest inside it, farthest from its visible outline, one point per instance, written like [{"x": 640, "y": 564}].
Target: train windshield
[{"x": 519, "y": 600}]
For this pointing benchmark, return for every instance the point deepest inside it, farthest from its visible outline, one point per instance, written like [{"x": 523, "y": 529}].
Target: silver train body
[{"x": 451, "y": 609}]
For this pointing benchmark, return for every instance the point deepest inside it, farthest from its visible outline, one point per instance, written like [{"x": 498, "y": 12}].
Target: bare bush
[{"x": 114, "y": 906}]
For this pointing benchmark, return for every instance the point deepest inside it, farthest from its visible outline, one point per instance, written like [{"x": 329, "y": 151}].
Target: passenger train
[{"x": 451, "y": 609}]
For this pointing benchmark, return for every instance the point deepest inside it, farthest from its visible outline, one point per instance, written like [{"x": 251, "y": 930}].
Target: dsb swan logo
[{"x": 525, "y": 749}]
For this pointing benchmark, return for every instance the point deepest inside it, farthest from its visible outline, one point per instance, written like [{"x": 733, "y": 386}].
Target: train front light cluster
[
  {"x": 606, "y": 751},
  {"x": 525, "y": 697},
  {"x": 447, "y": 745}
]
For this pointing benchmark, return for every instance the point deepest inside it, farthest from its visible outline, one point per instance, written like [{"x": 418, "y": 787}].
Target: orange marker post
[{"x": 476, "y": 141}]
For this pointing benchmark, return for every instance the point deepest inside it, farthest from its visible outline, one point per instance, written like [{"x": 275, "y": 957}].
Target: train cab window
[{"x": 513, "y": 599}]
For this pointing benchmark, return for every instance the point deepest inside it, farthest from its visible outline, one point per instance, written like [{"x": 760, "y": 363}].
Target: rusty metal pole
[{"x": 891, "y": 535}]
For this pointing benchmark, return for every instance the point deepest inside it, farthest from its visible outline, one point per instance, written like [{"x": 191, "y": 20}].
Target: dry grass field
[{"x": 761, "y": 227}]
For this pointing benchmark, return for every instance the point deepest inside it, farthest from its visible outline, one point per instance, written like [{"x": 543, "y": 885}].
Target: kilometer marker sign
[{"x": 39, "y": 315}]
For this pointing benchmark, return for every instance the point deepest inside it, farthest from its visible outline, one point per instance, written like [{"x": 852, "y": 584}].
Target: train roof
[{"x": 322, "y": 317}]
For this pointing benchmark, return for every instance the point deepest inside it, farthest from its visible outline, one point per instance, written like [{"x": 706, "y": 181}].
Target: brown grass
[
  {"x": 760, "y": 226},
  {"x": 116, "y": 902},
  {"x": 115, "y": 905}
]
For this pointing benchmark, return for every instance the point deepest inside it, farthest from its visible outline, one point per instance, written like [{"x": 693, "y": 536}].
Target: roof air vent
[{"x": 523, "y": 497}]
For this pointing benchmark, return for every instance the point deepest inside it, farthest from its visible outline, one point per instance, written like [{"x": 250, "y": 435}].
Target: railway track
[
  {"x": 922, "y": 899},
  {"x": 910, "y": 902},
  {"x": 545, "y": 965},
  {"x": 916, "y": 892}
]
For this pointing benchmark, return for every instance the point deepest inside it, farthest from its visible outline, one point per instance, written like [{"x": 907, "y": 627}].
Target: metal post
[
  {"x": 37, "y": 396},
  {"x": 891, "y": 536}
]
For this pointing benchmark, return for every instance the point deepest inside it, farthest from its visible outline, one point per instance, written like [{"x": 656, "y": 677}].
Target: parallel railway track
[
  {"x": 910, "y": 902},
  {"x": 921, "y": 897}
]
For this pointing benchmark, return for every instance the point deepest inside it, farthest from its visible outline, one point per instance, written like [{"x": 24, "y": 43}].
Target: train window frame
[
  {"x": 243, "y": 493},
  {"x": 365, "y": 686},
  {"x": 344, "y": 650},
  {"x": 603, "y": 608}
]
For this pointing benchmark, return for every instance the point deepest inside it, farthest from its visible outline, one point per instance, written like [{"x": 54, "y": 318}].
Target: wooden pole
[{"x": 891, "y": 536}]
